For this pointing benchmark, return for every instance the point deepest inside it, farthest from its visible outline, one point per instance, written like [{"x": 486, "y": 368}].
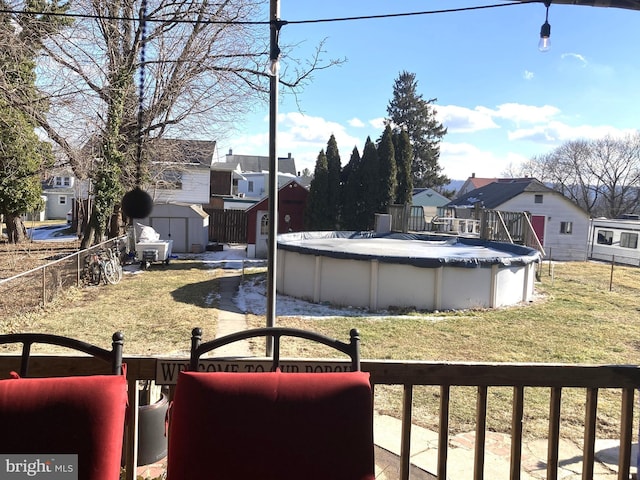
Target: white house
[
  {"x": 247, "y": 176},
  {"x": 180, "y": 183},
  {"x": 561, "y": 226},
  {"x": 58, "y": 191},
  {"x": 255, "y": 184},
  {"x": 180, "y": 171}
]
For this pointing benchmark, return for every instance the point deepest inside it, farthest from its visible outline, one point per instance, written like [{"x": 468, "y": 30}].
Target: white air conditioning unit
[{"x": 241, "y": 195}]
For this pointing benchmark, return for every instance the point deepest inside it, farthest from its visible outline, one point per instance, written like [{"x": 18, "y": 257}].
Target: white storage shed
[{"x": 186, "y": 224}]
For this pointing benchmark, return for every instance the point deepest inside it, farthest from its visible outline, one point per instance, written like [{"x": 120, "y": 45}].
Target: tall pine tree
[
  {"x": 404, "y": 158},
  {"x": 387, "y": 170},
  {"x": 369, "y": 174},
  {"x": 333, "y": 188},
  {"x": 409, "y": 111},
  {"x": 318, "y": 214},
  {"x": 352, "y": 198}
]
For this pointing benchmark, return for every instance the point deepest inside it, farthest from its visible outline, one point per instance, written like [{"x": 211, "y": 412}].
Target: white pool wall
[{"x": 374, "y": 284}]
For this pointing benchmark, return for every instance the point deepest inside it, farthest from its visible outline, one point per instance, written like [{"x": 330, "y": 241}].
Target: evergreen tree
[
  {"x": 409, "y": 111},
  {"x": 404, "y": 157},
  {"x": 334, "y": 166},
  {"x": 23, "y": 155},
  {"x": 369, "y": 175},
  {"x": 352, "y": 199},
  {"x": 387, "y": 171},
  {"x": 318, "y": 214}
]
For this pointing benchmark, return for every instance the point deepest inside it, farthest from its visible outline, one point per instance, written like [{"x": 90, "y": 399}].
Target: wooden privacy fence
[
  {"x": 519, "y": 377},
  {"x": 408, "y": 218},
  {"x": 227, "y": 226}
]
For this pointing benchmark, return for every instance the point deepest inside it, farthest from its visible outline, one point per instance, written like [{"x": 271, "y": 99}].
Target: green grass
[{"x": 156, "y": 310}]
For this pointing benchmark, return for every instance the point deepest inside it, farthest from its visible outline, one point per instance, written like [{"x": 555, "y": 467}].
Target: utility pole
[{"x": 274, "y": 67}]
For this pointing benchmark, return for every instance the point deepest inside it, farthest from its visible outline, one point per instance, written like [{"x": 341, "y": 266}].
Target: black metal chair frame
[
  {"x": 352, "y": 349},
  {"x": 113, "y": 356}
]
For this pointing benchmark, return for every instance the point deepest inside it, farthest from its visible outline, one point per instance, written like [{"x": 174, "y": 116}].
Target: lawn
[{"x": 576, "y": 318}]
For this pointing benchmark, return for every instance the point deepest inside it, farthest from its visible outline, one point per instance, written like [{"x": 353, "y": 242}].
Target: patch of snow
[
  {"x": 212, "y": 298},
  {"x": 51, "y": 233}
]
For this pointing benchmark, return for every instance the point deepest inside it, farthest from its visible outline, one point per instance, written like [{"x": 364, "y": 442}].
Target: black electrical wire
[{"x": 281, "y": 22}]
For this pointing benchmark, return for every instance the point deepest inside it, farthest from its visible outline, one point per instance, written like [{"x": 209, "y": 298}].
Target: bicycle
[{"x": 102, "y": 266}]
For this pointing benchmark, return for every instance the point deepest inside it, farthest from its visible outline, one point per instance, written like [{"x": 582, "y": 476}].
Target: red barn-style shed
[{"x": 292, "y": 200}]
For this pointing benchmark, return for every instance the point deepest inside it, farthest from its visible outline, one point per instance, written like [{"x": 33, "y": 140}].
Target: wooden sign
[{"x": 167, "y": 370}]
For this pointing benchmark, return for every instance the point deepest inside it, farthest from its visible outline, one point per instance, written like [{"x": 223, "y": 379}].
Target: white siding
[
  {"x": 195, "y": 189},
  {"x": 556, "y": 209},
  {"x": 615, "y": 250}
]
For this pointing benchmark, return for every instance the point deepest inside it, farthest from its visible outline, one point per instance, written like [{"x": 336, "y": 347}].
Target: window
[
  {"x": 170, "y": 180},
  {"x": 250, "y": 187},
  {"x": 62, "y": 181},
  {"x": 566, "y": 228},
  {"x": 605, "y": 237},
  {"x": 264, "y": 225},
  {"x": 537, "y": 198},
  {"x": 62, "y": 199},
  {"x": 629, "y": 240}
]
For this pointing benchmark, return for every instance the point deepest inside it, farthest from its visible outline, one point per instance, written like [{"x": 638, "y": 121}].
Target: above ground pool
[{"x": 383, "y": 271}]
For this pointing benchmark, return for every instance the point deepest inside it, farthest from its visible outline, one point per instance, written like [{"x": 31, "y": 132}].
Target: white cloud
[
  {"x": 527, "y": 75},
  {"x": 301, "y": 135},
  {"x": 463, "y": 120},
  {"x": 356, "y": 122},
  {"x": 575, "y": 56},
  {"x": 378, "y": 124},
  {"x": 460, "y": 160},
  {"x": 519, "y": 113},
  {"x": 558, "y": 132}
]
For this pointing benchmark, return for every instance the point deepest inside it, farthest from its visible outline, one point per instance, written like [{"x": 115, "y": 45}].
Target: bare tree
[
  {"x": 601, "y": 176},
  {"x": 204, "y": 65},
  {"x": 616, "y": 164}
]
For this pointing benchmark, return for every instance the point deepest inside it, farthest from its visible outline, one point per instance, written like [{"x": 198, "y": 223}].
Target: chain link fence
[{"x": 35, "y": 288}]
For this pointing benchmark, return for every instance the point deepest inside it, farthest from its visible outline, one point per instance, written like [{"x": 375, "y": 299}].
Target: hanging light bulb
[
  {"x": 274, "y": 53},
  {"x": 545, "y": 32}
]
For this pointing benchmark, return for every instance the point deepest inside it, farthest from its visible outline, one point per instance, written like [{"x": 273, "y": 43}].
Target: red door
[{"x": 537, "y": 221}]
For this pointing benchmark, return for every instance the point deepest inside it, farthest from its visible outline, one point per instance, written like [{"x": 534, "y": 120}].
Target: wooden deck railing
[{"x": 409, "y": 374}]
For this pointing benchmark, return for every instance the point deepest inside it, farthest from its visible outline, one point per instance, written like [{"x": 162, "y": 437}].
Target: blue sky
[{"x": 502, "y": 100}]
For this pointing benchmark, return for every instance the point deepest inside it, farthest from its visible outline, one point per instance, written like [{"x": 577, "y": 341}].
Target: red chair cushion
[
  {"x": 271, "y": 426},
  {"x": 66, "y": 415}
]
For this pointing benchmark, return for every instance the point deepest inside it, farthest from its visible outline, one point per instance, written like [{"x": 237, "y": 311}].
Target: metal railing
[{"x": 592, "y": 379}]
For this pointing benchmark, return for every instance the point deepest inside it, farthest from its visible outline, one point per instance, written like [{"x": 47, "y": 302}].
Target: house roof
[
  {"x": 255, "y": 163},
  {"x": 183, "y": 151},
  {"x": 474, "y": 182},
  {"x": 495, "y": 194},
  {"x": 480, "y": 182},
  {"x": 436, "y": 198}
]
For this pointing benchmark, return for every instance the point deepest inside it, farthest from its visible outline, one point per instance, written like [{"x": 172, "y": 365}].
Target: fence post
[
  {"x": 613, "y": 261},
  {"x": 44, "y": 285}
]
